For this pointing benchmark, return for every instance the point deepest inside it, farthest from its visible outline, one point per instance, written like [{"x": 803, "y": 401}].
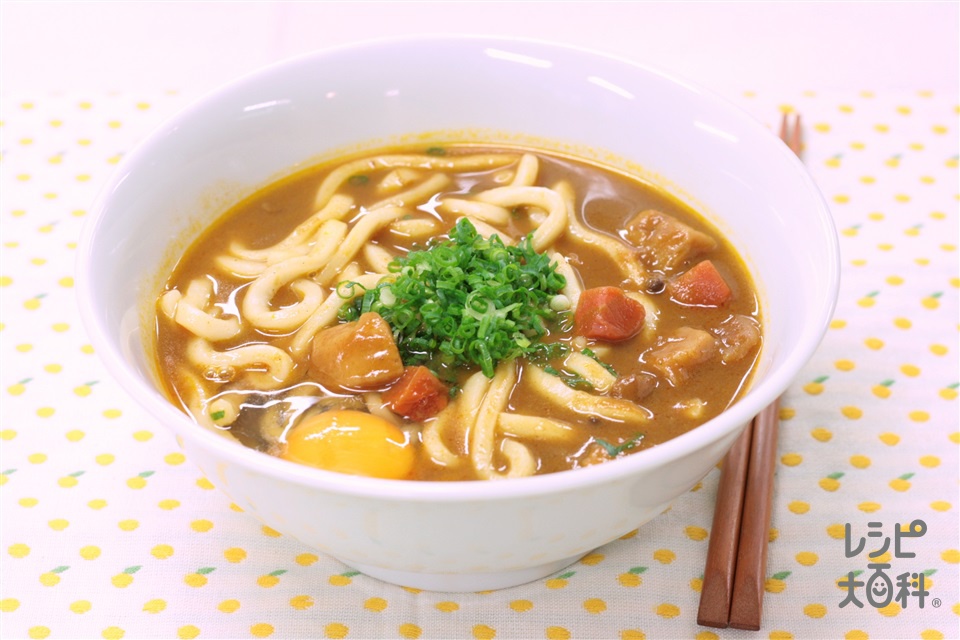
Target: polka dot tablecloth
[{"x": 110, "y": 532}]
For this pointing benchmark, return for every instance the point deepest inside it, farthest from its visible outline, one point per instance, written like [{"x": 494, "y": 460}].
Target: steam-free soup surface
[{"x": 457, "y": 313}]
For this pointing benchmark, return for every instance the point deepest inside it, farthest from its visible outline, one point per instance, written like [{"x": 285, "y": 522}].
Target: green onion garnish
[
  {"x": 590, "y": 354},
  {"x": 358, "y": 180},
  {"x": 615, "y": 450},
  {"x": 467, "y": 301},
  {"x": 218, "y": 415}
]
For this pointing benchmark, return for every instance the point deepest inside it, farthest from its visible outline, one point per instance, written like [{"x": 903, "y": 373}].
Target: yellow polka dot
[
  {"x": 174, "y": 458},
  {"x": 28, "y": 502},
  {"x": 552, "y": 633},
  {"x": 869, "y": 507},
  {"x": 60, "y": 327},
  {"x": 142, "y": 436},
  {"x": 807, "y": 558},
  {"x": 80, "y": 606},
  {"x": 58, "y": 524},
  {"x": 664, "y": 556},
  {"x": 201, "y": 526},
  {"x": 889, "y": 439},
  {"x": 860, "y": 462},
  {"x": 301, "y": 602},
  {"x": 128, "y": 525},
  {"x": 594, "y": 605},
  {"x": 696, "y": 533},
  {"x": 821, "y": 434},
  {"x": 930, "y": 461},
  {"x": 235, "y": 554},
  {"x": 90, "y": 552},
  {"x": 38, "y": 633},
  {"x": 306, "y": 559},
  {"x": 332, "y": 630},
  {"x": 838, "y": 324},
  {"x": 154, "y": 606},
  {"x": 815, "y": 610},
  {"x": 851, "y": 412},
  {"x": 169, "y": 504},
  {"x": 203, "y": 483},
  {"x": 97, "y": 504},
  {"x": 229, "y": 606},
  {"x": 931, "y": 634},
  {"x": 113, "y": 633},
  {"x": 779, "y": 634},
  {"x": 706, "y": 635},
  {"x": 521, "y": 606},
  {"x": 890, "y": 610},
  {"x": 9, "y": 604},
  {"x": 18, "y": 550},
  {"x": 592, "y": 559},
  {"x": 667, "y": 610},
  {"x": 951, "y": 555},
  {"x": 940, "y": 505},
  {"x": 104, "y": 459},
  {"x": 799, "y": 507},
  {"x": 24, "y": 348},
  {"x": 409, "y": 630},
  {"x": 188, "y": 632},
  {"x": 791, "y": 459},
  {"x": 270, "y": 532},
  {"x": 447, "y": 606},
  {"x": 74, "y": 435},
  {"x": 8, "y": 434},
  {"x": 377, "y": 604},
  {"x": 45, "y": 412},
  {"x": 919, "y": 416},
  {"x": 37, "y": 458},
  {"x": 87, "y": 349},
  {"x": 483, "y": 632}
]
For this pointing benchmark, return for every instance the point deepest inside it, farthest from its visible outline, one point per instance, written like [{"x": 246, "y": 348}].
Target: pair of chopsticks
[{"x": 735, "y": 573}]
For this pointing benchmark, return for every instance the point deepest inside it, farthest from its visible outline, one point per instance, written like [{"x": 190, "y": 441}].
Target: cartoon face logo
[{"x": 879, "y": 589}]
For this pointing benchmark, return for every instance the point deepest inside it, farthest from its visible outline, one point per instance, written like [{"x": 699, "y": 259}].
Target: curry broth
[{"x": 605, "y": 201}]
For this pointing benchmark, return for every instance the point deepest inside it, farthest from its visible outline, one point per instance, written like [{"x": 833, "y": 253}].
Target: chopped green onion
[
  {"x": 218, "y": 415},
  {"x": 570, "y": 379},
  {"x": 590, "y": 354},
  {"x": 615, "y": 450},
  {"x": 358, "y": 180},
  {"x": 436, "y": 151},
  {"x": 467, "y": 301}
]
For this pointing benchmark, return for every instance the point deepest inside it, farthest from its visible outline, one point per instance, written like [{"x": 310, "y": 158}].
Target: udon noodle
[{"x": 614, "y": 318}]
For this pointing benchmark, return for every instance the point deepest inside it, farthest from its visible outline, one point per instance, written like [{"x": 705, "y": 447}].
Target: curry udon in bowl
[{"x": 457, "y": 311}]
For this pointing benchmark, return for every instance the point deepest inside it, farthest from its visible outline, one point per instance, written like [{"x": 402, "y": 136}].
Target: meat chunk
[
  {"x": 738, "y": 335},
  {"x": 663, "y": 242},
  {"x": 607, "y": 313},
  {"x": 358, "y": 355},
  {"x": 417, "y": 395},
  {"x": 634, "y": 387},
  {"x": 702, "y": 286},
  {"x": 686, "y": 348}
]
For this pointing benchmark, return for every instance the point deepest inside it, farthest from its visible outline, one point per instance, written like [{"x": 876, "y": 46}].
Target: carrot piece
[
  {"x": 607, "y": 313},
  {"x": 417, "y": 395},
  {"x": 702, "y": 286}
]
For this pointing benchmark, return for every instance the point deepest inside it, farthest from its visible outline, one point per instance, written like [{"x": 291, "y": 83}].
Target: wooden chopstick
[
  {"x": 717, "y": 589},
  {"x": 746, "y": 608},
  {"x": 735, "y": 572}
]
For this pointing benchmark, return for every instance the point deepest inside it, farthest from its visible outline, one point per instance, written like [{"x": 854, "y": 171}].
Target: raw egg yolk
[{"x": 350, "y": 442}]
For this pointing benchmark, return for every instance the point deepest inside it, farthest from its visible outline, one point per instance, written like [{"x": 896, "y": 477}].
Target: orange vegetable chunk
[
  {"x": 417, "y": 395},
  {"x": 701, "y": 286},
  {"x": 607, "y": 313},
  {"x": 358, "y": 355}
]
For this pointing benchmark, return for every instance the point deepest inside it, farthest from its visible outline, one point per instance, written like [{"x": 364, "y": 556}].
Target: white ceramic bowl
[{"x": 477, "y": 535}]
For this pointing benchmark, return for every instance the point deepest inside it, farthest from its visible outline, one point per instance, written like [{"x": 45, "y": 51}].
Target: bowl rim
[{"x": 731, "y": 419}]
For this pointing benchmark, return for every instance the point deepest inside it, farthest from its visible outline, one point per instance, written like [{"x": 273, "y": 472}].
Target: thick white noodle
[
  {"x": 520, "y": 462},
  {"x": 454, "y": 422},
  {"x": 475, "y": 210},
  {"x": 297, "y": 242},
  {"x": 487, "y": 231},
  {"x": 377, "y": 258},
  {"x": 553, "y": 388},
  {"x": 326, "y": 313},
  {"x": 269, "y": 366},
  {"x": 527, "y": 170},
  {"x": 414, "y": 228},
  {"x": 341, "y": 174},
  {"x": 618, "y": 252},
  {"x": 190, "y": 312},
  {"x": 397, "y": 179},
  {"x": 256, "y": 303},
  {"x": 224, "y": 410},
  {"x": 590, "y": 370},
  {"x": 360, "y": 234},
  {"x": 415, "y": 195},
  {"x": 484, "y": 432},
  {"x": 573, "y": 288},
  {"x": 538, "y": 428},
  {"x": 193, "y": 393},
  {"x": 548, "y": 199}
]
